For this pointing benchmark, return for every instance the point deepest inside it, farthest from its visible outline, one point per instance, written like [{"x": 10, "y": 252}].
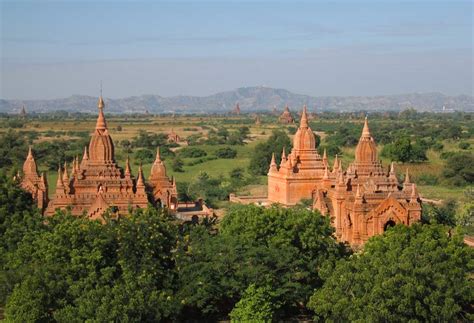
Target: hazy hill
[{"x": 249, "y": 98}]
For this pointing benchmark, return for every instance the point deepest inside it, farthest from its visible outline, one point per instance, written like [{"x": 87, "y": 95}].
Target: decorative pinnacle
[
  {"x": 407, "y": 178},
  {"x": 158, "y": 156},
  {"x": 365, "y": 130},
  {"x": 336, "y": 164},
  {"x": 304, "y": 118},
  {"x": 30, "y": 153},
  {"x": 127, "y": 167},
  {"x": 140, "y": 176},
  {"x": 273, "y": 163},
  {"x": 326, "y": 174},
  {"x": 85, "y": 156}
]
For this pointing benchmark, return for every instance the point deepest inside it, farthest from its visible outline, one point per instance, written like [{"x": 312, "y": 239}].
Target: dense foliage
[
  {"x": 260, "y": 161},
  {"x": 459, "y": 169},
  {"x": 277, "y": 249},
  {"x": 403, "y": 150},
  {"x": 77, "y": 269},
  {"x": 419, "y": 273}
]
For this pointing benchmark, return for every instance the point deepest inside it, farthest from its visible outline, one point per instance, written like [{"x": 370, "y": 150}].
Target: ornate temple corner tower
[
  {"x": 286, "y": 116},
  {"x": 163, "y": 189},
  {"x": 300, "y": 172},
  {"x": 31, "y": 182},
  {"x": 365, "y": 200}
]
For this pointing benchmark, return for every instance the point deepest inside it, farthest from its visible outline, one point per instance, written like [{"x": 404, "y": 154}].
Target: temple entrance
[{"x": 388, "y": 225}]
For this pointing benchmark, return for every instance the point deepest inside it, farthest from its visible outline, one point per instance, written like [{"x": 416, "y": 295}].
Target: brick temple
[
  {"x": 96, "y": 183},
  {"x": 362, "y": 200}
]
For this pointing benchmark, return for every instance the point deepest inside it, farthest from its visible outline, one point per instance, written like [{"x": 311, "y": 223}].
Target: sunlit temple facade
[
  {"x": 96, "y": 183},
  {"x": 362, "y": 200}
]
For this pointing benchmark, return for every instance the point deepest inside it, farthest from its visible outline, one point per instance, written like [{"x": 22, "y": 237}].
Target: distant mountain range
[{"x": 250, "y": 99}]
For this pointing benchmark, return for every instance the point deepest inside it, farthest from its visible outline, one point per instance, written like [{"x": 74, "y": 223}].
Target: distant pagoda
[
  {"x": 236, "y": 109},
  {"x": 286, "y": 116}
]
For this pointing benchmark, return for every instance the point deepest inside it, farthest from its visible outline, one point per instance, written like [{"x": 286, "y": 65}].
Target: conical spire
[
  {"x": 128, "y": 172},
  {"x": 325, "y": 157},
  {"x": 65, "y": 174},
  {"x": 273, "y": 165},
  {"x": 407, "y": 178},
  {"x": 365, "y": 130},
  {"x": 158, "y": 156},
  {"x": 326, "y": 173},
  {"x": 85, "y": 156},
  {"x": 30, "y": 153},
  {"x": 44, "y": 180},
  {"x": 336, "y": 164},
  {"x": 283, "y": 158},
  {"x": 101, "y": 124},
  {"x": 304, "y": 118},
  {"x": 273, "y": 160},
  {"x": 392, "y": 173},
  {"x": 59, "y": 181},
  {"x": 140, "y": 182}
]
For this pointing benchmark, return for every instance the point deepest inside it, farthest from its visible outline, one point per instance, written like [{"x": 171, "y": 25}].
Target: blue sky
[{"x": 59, "y": 48}]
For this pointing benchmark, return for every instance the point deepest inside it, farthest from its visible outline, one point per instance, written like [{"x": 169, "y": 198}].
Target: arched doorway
[{"x": 388, "y": 225}]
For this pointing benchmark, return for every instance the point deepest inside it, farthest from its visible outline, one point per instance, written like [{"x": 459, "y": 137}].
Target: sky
[{"x": 52, "y": 49}]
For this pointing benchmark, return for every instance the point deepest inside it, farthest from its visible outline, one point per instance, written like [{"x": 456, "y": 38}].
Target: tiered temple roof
[
  {"x": 97, "y": 183},
  {"x": 361, "y": 201}
]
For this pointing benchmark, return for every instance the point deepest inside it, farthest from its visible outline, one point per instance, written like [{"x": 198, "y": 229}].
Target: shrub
[
  {"x": 464, "y": 145},
  {"x": 226, "y": 152},
  {"x": 192, "y": 152}
]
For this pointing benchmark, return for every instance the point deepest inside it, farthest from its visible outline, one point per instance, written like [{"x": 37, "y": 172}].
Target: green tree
[
  {"x": 79, "y": 269},
  {"x": 417, "y": 274},
  {"x": 177, "y": 165},
  {"x": 402, "y": 150},
  {"x": 276, "y": 248},
  {"x": 20, "y": 220},
  {"x": 226, "y": 152},
  {"x": 260, "y": 161},
  {"x": 256, "y": 305},
  {"x": 459, "y": 169}
]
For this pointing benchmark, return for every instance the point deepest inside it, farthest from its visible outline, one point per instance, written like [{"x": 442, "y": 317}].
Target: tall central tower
[{"x": 298, "y": 173}]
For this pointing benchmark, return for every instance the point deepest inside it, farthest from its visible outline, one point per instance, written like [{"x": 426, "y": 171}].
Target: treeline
[{"x": 257, "y": 264}]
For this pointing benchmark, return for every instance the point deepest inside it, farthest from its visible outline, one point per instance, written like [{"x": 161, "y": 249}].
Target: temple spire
[
  {"x": 128, "y": 172},
  {"x": 59, "y": 182},
  {"x": 335, "y": 166},
  {"x": 158, "y": 156},
  {"x": 392, "y": 173},
  {"x": 85, "y": 156},
  {"x": 273, "y": 165},
  {"x": 366, "y": 130},
  {"x": 140, "y": 182},
  {"x": 304, "y": 118},
  {"x": 407, "y": 178},
  {"x": 30, "y": 153},
  {"x": 326, "y": 173},
  {"x": 65, "y": 174},
  {"x": 101, "y": 124},
  {"x": 283, "y": 158}
]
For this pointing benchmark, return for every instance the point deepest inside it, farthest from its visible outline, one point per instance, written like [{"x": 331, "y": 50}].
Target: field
[{"x": 126, "y": 128}]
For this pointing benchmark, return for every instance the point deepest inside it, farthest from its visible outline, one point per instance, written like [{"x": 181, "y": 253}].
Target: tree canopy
[{"x": 418, "y": 274}]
